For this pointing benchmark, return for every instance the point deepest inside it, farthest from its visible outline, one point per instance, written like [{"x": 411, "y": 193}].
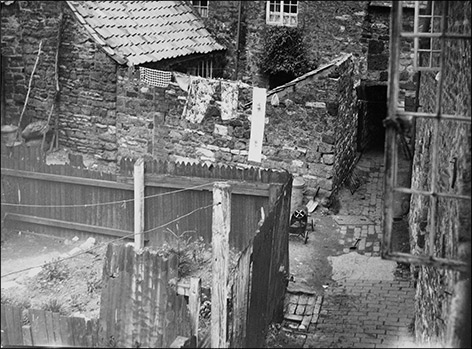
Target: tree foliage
[{"x": 284, "y": 52}]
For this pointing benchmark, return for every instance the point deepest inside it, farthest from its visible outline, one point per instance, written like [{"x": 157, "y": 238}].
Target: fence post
[
  {"x": 220, "y": 252},
  {"x": 138, "y": 177},
  {"x": 194, "y": 305}
]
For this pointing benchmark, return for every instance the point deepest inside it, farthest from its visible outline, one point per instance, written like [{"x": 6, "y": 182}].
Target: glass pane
[
  {"x": 424, "y": 58},
  {"x": 436, "y": 59}
]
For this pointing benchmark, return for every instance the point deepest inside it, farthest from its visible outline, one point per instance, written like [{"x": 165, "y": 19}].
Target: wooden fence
[
  {"x": 73, "y": 198},
  {"x": 46, "y": 328},
  {"x": 260, "y": 207},
  {"x": 260, "y": 278},
  {"x": 139, "y": 307},
  {"x": 139, "y": 304}
]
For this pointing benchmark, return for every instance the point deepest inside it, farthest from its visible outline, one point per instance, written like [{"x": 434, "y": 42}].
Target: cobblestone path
[{"x": 355, "y": 313}]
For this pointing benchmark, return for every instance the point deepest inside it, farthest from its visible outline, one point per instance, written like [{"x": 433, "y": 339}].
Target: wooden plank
[
  {"x": 56, "y": 324},
  {"x": 66, "y": 225},
  {"x": 180, "y": 182},
  {"x": 194, "y": 305},
  {"x": 220, "y": 253},
  {"x": 66, "y": 332},
  {"x": 27, "y": 337},
  {"x": 52, "y": 334},
  {"x": 139, "y": 204},
  {"x": 5, "y": 333},
  {"x": 14, "y": 323},
  {"x": 66, "y": 179},
  {"x": 38, "y": 327},
  {"x": 241, "y": 298}
]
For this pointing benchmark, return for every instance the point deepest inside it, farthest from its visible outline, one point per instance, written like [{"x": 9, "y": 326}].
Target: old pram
[
  {"x": 299, "y": 224},
  {"x": 299, "y": 219}
]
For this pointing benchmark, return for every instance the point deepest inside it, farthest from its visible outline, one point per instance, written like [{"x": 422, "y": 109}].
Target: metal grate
[{"x": 429, "y": 35}]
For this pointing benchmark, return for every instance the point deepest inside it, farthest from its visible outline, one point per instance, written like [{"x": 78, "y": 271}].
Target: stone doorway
[{"x": 372, "y": 106}]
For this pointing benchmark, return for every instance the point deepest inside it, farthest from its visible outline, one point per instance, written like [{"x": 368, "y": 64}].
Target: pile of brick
[{"x": 301, "y": 310}]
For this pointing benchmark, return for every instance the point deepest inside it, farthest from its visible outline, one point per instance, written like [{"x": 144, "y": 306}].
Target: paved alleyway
[{"x": 364, "y": 309}]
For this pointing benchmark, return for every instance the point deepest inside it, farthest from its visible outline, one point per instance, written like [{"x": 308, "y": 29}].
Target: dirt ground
[
  {"x": 309, "y": 263},
  {"x": 77, "y": 294}
]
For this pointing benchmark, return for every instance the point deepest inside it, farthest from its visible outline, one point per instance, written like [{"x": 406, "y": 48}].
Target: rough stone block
[{"x": 328, "y": 159}]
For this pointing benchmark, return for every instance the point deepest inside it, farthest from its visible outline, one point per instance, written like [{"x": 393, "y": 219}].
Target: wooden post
[
  {"x": 220, "y": 251},
  {"x": 194, "y": 305},
  {"x": 139, "y": 204}
]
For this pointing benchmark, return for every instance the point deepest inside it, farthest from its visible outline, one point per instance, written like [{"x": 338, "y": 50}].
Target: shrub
[
  {"x": 284, "y": 52},
  {"x": 53, "y": 272}
]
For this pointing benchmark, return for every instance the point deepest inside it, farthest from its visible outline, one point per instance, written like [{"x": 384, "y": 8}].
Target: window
[
  {"x": 202, "y": 68},
  {"x": 201, "y": 7},
  {"x": 436, "y": 37},
  {"x": 282, "y": 13}
]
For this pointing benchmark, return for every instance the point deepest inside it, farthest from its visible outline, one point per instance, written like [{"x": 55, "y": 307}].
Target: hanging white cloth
[{"x": 154, "y": 77}]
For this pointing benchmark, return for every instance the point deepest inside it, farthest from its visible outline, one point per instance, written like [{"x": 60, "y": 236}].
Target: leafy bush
[
  {"x": 53, "y": 272},
  {"x": 284, "y": 52}
]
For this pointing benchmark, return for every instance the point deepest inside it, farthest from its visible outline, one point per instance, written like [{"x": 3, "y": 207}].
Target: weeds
[
  {"x": 22, "y": 303},
  {"x": 189, "y": 251},
  {"x": 53, "y": 272},
  {"x": 53, "y": 305}
]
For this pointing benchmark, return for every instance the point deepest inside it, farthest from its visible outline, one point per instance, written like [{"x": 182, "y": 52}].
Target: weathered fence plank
[
  {"x": 220, "y": 254},
  {"x": 126, "y": 313},
  {"x": 241, "y": 280}
]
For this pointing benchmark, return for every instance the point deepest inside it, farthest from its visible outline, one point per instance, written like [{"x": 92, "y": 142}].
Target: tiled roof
[{"x": 136, "y": 32}]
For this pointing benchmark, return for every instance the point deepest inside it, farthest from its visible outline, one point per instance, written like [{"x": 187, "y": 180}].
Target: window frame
[
  {"x": 203, "y": 10},
  {"x": 282, "y": 4},
  {"x": 396, "y": 115}
]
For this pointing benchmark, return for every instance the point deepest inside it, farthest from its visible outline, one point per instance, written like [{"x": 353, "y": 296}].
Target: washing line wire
[
  {"x": 109, "y": 242},
  {"x": 105, "y": 203}
]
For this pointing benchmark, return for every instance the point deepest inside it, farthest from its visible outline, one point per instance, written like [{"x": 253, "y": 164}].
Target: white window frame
[
  {"x": 276, "y": 15},
  {"x": 202, "y": 9}
]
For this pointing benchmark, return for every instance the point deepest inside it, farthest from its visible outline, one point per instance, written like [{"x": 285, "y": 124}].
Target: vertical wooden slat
[
  {"x": 220, "y": 253},
  {"x": 240, "y": 298},
  {"x": 66, "y": 332},
  {"x": 56, "y": 325},
  {"x": 4, "y": 326},
  {"x": 194, "y": 305},
  {"x": 27, "y": 337},
  {"x": 38, "y": 327},
  {"x": 50, "y": 328},
  {"x": 139, "y": 203}
]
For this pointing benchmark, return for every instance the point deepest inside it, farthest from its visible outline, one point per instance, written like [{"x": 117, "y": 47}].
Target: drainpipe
[{"x": 237, "y": 40}]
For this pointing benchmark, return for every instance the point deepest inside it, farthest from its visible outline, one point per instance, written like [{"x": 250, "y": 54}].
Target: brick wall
[{"x": 436, "y": 288}]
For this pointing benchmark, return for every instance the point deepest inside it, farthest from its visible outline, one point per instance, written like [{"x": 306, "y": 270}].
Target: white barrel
[{"x": 298, "y": 185}]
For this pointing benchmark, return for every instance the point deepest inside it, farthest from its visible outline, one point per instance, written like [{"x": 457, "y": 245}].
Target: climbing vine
[{"x": 284, "y": 52}]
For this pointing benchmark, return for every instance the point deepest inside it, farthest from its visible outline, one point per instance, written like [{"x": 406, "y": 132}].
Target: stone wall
[
  {"x": 331, "y": 29},
  {"x": 436, "y": 287},
  {"x": 24, "y": 25},
  {"x": 88, "y": 80},
  {"x": 376, "y": 37},
  {"x": 87, "y": 76},
  {"x": 310, "y": 133}
]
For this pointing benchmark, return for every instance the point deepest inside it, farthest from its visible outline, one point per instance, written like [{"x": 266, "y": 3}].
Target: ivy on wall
[{"x": 284, "y": 52}]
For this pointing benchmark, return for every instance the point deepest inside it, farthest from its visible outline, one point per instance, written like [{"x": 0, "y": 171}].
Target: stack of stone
[{"x": 34, "y": 132}]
